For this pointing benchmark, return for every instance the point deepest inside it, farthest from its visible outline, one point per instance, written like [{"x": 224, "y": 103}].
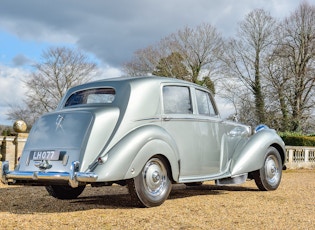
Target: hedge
[{"x": 298, "y": 140}]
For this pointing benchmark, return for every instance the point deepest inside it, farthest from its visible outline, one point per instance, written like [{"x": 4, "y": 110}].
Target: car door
[
  {"x": 212, "y": 132},
  {"x": 180, "y": 122}
]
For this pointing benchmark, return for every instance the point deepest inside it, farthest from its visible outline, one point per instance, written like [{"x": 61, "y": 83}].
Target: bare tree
[
  {"x": 21, "y": 112},
  {"x": 244, "y": 55},
  {"x": 278, "y": 76},
  {"x": 297, "y": 48},
  {"x": 145, "y": 61},
  {"x": 197, "y": 50},
  {"x": 171, "y": 66},
  {"x": 200, "y": 49},
  {"x": 60, "y": 69}
]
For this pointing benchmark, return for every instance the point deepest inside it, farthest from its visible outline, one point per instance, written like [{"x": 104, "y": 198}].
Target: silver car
[{"x": 147, "y": 133}]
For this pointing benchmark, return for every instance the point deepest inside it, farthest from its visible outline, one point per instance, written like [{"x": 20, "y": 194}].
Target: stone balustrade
[{"x": 300, "y": 157}]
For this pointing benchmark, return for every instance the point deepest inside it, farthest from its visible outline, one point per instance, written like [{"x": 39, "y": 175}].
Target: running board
[{"x": 232, "y": 180}]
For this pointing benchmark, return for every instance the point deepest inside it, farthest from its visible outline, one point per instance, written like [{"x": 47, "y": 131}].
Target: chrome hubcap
[
  {"x": 272, "y": 170},
  {"x": 155, "y": 177}
]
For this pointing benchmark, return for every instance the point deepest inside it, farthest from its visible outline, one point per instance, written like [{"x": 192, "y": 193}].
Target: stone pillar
[
  {"x": 16, "y": 149},
  {"x": 20, "y": 127},
  {"x": 291, "y": 155},
  {"x": 3, "y": 151},
  {"x": 306, "y": 155}
]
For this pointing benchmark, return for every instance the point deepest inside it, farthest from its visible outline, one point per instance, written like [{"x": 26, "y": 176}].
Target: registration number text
[{"x": 51, "y": 155}]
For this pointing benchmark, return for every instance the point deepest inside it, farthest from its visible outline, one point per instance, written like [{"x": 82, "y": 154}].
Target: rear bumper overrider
[{"x": 73, "y": 176}]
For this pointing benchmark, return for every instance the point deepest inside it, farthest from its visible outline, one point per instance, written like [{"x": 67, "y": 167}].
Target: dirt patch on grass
[{"x": 291, "y": 206}]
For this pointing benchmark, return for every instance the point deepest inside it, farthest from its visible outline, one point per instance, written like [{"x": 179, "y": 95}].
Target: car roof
[
  {"x": 131, "y": 81},
  {"x": 142, "y": 79},
  {"x": 126, "y": 83}
]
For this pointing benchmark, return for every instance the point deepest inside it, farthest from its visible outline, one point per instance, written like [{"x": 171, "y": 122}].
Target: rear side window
[
  {"x": 177, "y": 100},
  {"x": 204, "y": 103},
  {"x": 89, "y": 96}
]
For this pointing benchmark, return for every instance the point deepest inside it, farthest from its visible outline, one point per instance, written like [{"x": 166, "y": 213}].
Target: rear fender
[
  {"x": 250, "y": 155},
  {"x": 152, "y": 148},
  {"x": 127, "y": 158}
]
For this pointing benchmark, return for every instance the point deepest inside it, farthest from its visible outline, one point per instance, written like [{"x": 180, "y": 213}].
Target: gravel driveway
[{"x": 292, "y": 206}]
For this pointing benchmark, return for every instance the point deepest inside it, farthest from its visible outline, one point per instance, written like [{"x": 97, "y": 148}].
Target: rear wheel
[
  {"x": 269, "y": 176},
  {"x": 152, "y": 186},
  {"x": 64, "y": 192}
]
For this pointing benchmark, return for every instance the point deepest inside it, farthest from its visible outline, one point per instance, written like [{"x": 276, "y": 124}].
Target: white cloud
[
  {"x": 12, "y": 89},
  {"x": 107, "y": 71},
  {"x": 225, "y": 108}
]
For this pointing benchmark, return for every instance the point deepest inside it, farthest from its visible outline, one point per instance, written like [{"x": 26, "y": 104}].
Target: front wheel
[
  {"x": 269, "y": 176},
  {"x": 152, "y": 186},
  {"x": 64, "y": 192}
]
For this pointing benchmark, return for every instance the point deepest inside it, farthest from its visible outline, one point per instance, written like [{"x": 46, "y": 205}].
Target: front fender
[
  {"x": 127, "y": 158},
  {"x": 250, "y": 156}
]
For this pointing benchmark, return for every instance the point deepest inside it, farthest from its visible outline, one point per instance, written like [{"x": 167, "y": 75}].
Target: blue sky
[
  {"x": 12, "y": 46},
  {"x": 110, "y": 31}
]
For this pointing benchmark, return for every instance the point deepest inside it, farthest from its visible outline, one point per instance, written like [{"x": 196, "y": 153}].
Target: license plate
[{"x": 50, "y": 155}]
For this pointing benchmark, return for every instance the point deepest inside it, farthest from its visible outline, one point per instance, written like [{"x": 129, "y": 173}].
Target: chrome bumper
[{"x": 73, "y": 177}]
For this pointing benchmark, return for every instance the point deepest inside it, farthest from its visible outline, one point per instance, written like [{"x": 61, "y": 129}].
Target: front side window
[
  {"x": 89, "y": 96},
  {"x": 177, "y": 100},
  {"x": 205, "y": 106}
]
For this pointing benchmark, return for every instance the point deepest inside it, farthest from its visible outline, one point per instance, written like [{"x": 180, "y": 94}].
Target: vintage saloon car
[{"x": 147, "y": 133}]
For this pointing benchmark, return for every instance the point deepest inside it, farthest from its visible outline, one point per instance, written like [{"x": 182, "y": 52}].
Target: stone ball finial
[{"x": 19, "y": 126}]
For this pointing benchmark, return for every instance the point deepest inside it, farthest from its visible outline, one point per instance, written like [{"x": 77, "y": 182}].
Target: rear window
[{"x": 92, "y": 96}]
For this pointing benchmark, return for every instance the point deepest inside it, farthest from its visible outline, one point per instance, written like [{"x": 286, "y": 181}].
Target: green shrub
[
  {"x": 6, "y": 132},
  {"x": 297, "y": 139}
]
